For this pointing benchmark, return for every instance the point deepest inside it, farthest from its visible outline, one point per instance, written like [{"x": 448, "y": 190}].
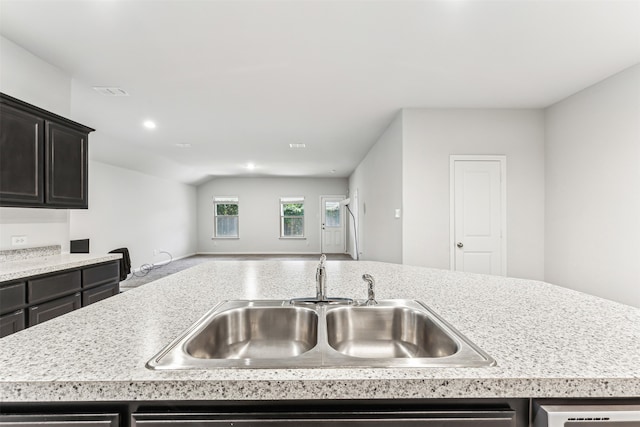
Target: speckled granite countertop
[
  {"x": 14, "y": 270},
  {"x": 547, "y": 341}
]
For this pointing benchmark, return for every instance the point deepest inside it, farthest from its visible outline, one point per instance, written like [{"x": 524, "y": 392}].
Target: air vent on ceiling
[
  {"x": 110, "y": 91},
  {"x": 297, "y": 145}
]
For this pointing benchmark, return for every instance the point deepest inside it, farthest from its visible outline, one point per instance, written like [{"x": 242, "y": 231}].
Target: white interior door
[
  {"x": 478, "y": 214},
  {"x": 333, "y": 227}
]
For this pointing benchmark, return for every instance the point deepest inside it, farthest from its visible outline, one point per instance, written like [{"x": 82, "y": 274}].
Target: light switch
[{"x": 397, "y": 213}]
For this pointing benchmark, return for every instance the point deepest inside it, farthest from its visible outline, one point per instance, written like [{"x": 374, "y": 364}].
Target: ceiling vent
[
  {"x": 110, "y": 91},
  {"x": 297, "y": 146}
]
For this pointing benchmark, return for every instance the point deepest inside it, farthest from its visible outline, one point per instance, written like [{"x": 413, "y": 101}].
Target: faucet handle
[
  {"x": 371, "y": 295},
  {"x": 323, "y": 259}
]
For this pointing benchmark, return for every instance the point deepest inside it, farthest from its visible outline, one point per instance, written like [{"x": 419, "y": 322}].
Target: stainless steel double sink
[{"x": 278, "y": 334}]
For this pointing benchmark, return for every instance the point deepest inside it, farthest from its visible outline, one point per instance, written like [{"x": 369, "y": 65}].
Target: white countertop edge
[
  {"x": 243, "y": 390},
  {"x": 15, "y": 270}
]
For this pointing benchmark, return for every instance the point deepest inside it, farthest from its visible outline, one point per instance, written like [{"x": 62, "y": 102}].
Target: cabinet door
[
  {"x": 50, "y": 287},
  {"x": 11, "y": 323},
  {"x": 66, "y": 167},
  {"x": 100, "y": 275},
  {"x": 80, "y": 420},
  {"x": 345, "y": 419},
  {"x": 47, "y": 311},
  {"x": 100, "y": 293},
  {"x": 21, "y": 158},
  {"x": 12, "y": 297}
]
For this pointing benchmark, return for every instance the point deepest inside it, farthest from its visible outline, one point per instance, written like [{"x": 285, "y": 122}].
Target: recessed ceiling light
[
  {"x": 183, "y": 145},
  {"x": 251, "y": 166},
  {"x": 297, "y": 145},
  {"x": 149, "y": 124}
]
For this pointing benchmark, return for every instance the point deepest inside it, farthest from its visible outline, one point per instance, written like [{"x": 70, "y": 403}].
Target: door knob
[{"x": 459, "y": 244}]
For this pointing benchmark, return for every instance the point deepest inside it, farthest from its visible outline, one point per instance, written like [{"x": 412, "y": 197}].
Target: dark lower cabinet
[
  {"x": 460, "y": 412},
  {"x": 342, "y": 419},
  {"x": 98, "y": 294},
  {"x": 100, "y": 275},
  {"x": 75, "y": 420},
  {"x": 463, "y": 412},
  {"x": 47, "y": 311},
  {"x": 52, "y": 286},
  {"x": 12, "y": 323},
  {"x": 40, "y": 298},
  {"x": 43, "y": 157},
  {"x": 12, "y": 297}
]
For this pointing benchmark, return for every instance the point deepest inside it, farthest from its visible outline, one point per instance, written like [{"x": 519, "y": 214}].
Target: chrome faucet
[
  {"x": 321, "y": 280},
  {"x": 321, "y": 289},
  {"x": 371, "y": 294}
]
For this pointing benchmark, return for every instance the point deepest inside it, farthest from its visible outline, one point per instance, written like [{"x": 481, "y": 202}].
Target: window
[
  {"x": 291, "y": 217},
  {"x": 225, "y": 212},
  {"x": 332, "y": 214}
]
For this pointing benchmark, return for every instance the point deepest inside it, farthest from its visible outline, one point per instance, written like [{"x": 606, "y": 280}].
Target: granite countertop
[
  {"x": 19, "y": 269},
  {"x": 548, "y": 341}
]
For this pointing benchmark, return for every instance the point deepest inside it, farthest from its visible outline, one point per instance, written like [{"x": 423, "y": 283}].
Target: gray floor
[{"x": 140, "y": 278}]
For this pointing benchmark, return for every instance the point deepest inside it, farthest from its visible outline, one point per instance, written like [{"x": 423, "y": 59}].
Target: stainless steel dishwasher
[{"x": 586, "y": 416}]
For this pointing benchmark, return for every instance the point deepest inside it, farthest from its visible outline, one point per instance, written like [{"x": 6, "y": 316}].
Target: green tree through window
[
  {"x": 292, "y": 217},
  {"x": 226, "y": 217}
]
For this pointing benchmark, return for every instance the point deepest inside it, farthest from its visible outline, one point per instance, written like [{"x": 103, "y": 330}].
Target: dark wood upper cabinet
[
  {"x": 66, "y": 166},
  {"x": 21, "y": 157},
  {"x": 43, "y": 157}
]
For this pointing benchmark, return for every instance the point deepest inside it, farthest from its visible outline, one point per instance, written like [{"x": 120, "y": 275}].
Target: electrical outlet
[
  {"x": 156, "y": 252},
  {"x": 19, "y": 240}
]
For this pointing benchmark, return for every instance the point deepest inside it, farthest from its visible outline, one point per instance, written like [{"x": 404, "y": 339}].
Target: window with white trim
[
  {"x": 225, "y": 213},
  {"x": 291, "y": 217}
]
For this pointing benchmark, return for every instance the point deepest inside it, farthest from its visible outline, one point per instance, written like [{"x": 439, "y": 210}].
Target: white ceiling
[{"x": 241, "y": 80}]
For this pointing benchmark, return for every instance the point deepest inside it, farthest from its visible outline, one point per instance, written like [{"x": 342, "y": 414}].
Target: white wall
[
  {"x": 30, "y": 79},
  {"x": 430, "y": 136},
  {"x": 593, "y": 190},
  {"x": 43, "y": 227},
  {"x": 126, "y": 208},
  {"x": 259, "y": 212},
  {"x": 378, "y": 183},
  {"x": 138, "y": 211}
]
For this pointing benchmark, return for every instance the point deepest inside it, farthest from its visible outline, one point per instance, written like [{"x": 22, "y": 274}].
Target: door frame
[
  {"x": 342, "y": 216},
  {"x": 502, "y": 159}
]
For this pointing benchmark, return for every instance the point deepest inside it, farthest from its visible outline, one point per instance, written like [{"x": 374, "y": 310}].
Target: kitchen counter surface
[
  {"x": 15, "y": 270},
  {"x": 548, "y": 341}
]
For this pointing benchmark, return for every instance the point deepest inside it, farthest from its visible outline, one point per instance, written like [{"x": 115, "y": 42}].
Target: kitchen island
[{"x": 548, "y": 341}]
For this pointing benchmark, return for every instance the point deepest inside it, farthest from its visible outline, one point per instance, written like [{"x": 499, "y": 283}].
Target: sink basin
[
  {"x": 387, "y": 332},
  {"x": 277, "y": 334},
  {"x": 255, "y": 333}
]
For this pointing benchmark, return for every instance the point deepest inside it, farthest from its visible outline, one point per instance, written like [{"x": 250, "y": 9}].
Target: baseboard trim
[{"x": 258, "y": 253}]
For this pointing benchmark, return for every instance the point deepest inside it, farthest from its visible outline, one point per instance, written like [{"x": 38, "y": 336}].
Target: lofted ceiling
[{"x": 241, "y": 80}]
